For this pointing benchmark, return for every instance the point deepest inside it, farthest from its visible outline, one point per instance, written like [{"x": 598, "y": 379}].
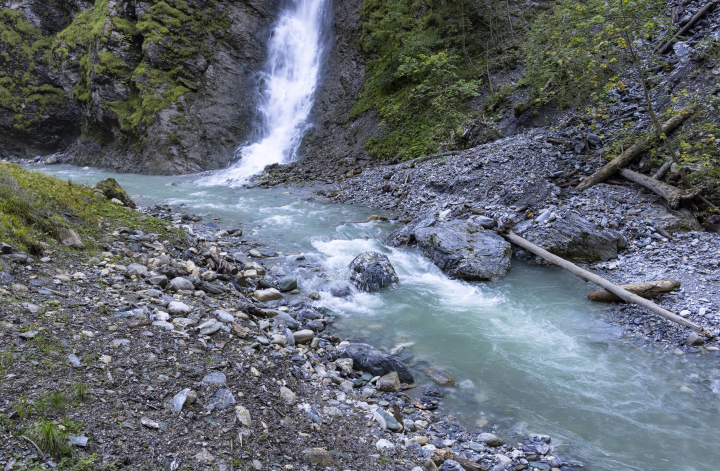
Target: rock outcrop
[{"x": 463, "y": 249}]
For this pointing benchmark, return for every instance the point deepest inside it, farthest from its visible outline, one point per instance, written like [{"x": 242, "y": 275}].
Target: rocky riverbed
[
  {"x": 617, "y": 229},
  {"x": 148, "y": 354}
]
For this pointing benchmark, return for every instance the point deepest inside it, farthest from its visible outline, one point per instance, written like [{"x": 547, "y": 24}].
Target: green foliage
[
  {"x": 415, "y": 46},
  {"x": 433, "y": 96},
  {"x": 22, "y": 46},
  {"x": 579, "y": 49},
  {"x": 82, "y": 391},
  {"x": 50, "y": 438}
]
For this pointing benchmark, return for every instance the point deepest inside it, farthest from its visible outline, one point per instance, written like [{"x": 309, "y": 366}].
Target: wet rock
[
  {"x": 491, "y": 439},
  {"x": 368, "y": 358},
  {"x": 694, "y": 339},
  {"x": 179, "y": 283},
  {"x": 389, "y": 383},
  {"x": 287, "y": 283},
  {"x": 70, "y": 238},
  {"x": 287, "y": 396},
  {"x": 340, "y": 290},
  {"x": 439, "y": 376},
  {"x": 372, "y": 271},
  {"x": 465, "y": 250},
  {"x": 265, "y": 295},
  {"x": 303, "y": 336},
  {"x": 406, "y": 235}
]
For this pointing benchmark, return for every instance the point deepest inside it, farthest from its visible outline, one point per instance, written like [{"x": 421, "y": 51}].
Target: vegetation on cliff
[{"x": 24, "y": 93}]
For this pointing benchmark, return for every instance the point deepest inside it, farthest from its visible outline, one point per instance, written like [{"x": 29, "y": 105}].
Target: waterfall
[{"x": 290, "y": 78}]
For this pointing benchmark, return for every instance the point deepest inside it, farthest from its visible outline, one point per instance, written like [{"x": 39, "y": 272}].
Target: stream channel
[{"x": 528, "y": 352}]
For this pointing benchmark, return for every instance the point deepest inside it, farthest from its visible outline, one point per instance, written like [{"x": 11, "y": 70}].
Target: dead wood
[
  {"x": 647, "y": 290},
  {"x": 671, "y": 194},
  {"x": 613, "y": 288},
  {"x": 665, "y": 47}
]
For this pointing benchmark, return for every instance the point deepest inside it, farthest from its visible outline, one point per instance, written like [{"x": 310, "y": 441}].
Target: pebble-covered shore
[{"x": 183, "y": 367}]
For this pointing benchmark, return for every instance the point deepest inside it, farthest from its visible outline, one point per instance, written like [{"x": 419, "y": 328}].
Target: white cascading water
[{"x": 294, "y": 58}]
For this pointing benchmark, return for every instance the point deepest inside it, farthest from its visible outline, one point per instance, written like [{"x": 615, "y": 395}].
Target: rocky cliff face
[
  {"x": 159, "y": 86},
  {"x": 336, "y": 140}
]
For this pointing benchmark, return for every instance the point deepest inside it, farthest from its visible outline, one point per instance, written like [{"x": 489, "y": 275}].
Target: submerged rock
[
  {"x": 372, "y": 271},
  {"x": 465, "y": 250},
  {"x": 368, "y": 358},
  {"x": 439, "y": 376}
]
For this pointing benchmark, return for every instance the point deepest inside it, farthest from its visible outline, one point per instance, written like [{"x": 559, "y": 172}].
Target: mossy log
[
  {"x": 636, "y": 149},
  {"x": 648, "y": 289},
  {"x": 603, "y": 283},
  {"x": 673, "y": 195}
]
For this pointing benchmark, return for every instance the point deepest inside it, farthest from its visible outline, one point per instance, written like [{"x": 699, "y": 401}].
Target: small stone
[
  {"x": 74, "y": 360},
  {"x": 149, "y": 423},
  {"x": 345, "y": 364},
  {"x": 420, "y": 440},
  {"x": 243, "y": 416},
  {"x": 70, "y": 238},
  {"x": 303, "y": 336},
  {"x": 287, "y": 283},
  {"x": 159, "y": 280},
  {"x": 204, "y": 456},
  {"x": 387, "y": 421},
  {"x": 287, "y": 396},
  {"x": 694, "y": 339},
  {"x": 179, "y": 284},
  {"x": 270, "y": 294},
  {"x": 439, "y": 376},
  {"x": 215, "y": 378},
  {"x": 223, "y": 399},
  {"x": 224, "y": 316},
  {"x": 321, "y": 458},
  {"x": 279, "y": 339},
  {"x": 384, "y": 445},
  {"x": 176, "y": 308},
  {"x": 240, "y": 331},
  {"x": 257, "y": 465},
  {"x": 209, "y": 327},
  {"x": 180, "y": 399},
  {"x": 451, "y": 465},
  {"x": 78, "y": 441},
  {"x": 684, "y": 313},
  {"x": 389, "y": 383},
  {"x": 491, "y": 439}
]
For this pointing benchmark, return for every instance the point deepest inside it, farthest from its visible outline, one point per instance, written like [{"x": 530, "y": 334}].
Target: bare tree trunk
[
  {"x": 633, "y": 151},
  {"x": 664, "y": 48},
  {"x": 663, "y": 170},
  {"x": 648, "y": 289},
  {"x": 613, "y": 288},
  {"x": 671, "y": 194}
]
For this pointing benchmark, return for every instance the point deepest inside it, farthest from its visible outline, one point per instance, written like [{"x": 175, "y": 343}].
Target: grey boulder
[
  {"x": 376, "y": 362},
  {"x": 574, "y": 238},
  {"x": 465, "y": 250},
  {"x": 372, "y": 271}
]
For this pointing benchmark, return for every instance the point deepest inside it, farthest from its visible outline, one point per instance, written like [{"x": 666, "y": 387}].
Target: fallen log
[
  {"x": 633, "y": 151},
  {"x": 664, "y": 48},
  {"x": 647, "y": 290},
  {"x": 613, "y": 288},
  {"x": 663, "y": 170},
  {"x": 673, "y": 195}
]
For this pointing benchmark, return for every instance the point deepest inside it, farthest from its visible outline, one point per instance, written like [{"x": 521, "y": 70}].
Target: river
[{"x": 528, "y": 352}]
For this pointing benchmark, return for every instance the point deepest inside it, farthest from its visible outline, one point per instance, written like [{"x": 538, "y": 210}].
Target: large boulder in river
[
  {"x": 463, "y": 249},
  {"x": 376, "y": 362},
  {"x": 372, "y": 271},
  {"x": 573, "y": 238},
  {"x": 406, "y": 235},
  {"x": 112, "y": 189}
]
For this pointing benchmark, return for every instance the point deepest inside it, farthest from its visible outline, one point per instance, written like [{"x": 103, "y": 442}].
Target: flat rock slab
[{"x": 463, "y": 249}]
